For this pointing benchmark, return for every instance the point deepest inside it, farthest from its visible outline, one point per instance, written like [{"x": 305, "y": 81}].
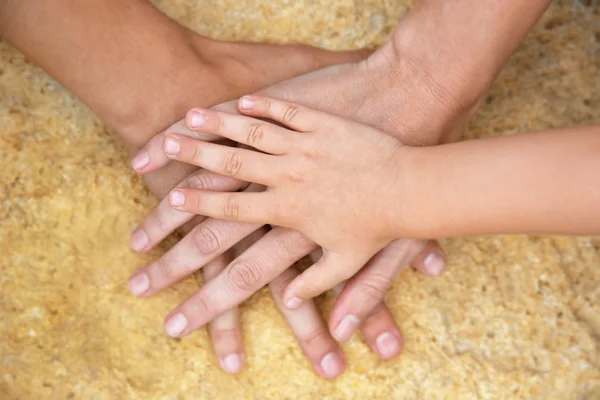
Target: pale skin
[
  {"x": 329, "y": 189},
  {"x": 63, "y": 39},
  {"x": 143, "y": 73},
  {"x": 422, "y": 88}
]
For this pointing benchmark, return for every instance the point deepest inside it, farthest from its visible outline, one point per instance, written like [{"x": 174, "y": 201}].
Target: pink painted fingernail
[
  {"x": 139, "y": 239},
  {"x": 388, "y": 345},
  {"x": 345, "y": 329},
  {"x": 139, "y": 284},
  {"x": 176, "y": 324},
  {"x": 232, "y": 363},
  {"x": 140, "y": 160},
  {"x": 246, "y": 103},
  {"x": 196, "y": 119},
  {"x": 434, "y": 264},
  {"x": 332, "y": 365},
  {"x": 172, "y": 147},
  {"x": 293, "y": 303},
  {"x": 177, "y": 198}
]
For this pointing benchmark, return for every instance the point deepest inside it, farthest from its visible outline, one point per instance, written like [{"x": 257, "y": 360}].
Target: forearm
[
  {"x": 109, "y": 53},
  {"x": 458, "y": 47},
  {"x": 536, "y": 183}
]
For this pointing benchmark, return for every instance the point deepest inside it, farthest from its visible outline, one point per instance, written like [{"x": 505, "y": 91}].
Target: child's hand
[{"x": 324, "y": 179}]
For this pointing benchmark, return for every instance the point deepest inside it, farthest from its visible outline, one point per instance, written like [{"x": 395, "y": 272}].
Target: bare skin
[
  {"x": 321, "y": 173},
  {"x": 130, "y": 125},
  {"x": 139, "y": 77},
  {"x": 422, "y": 87}
]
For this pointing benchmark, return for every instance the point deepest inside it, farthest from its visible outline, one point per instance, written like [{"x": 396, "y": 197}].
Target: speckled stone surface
[{"x": 514, "y": 317}]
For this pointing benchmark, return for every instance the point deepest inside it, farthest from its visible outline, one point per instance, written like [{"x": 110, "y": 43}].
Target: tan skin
[
  {"x": 141, "y": 75},
  {"x": 130, "y": 103},
  {"x": 422, "y": 87},
  {"x": 321, "y": 174}
]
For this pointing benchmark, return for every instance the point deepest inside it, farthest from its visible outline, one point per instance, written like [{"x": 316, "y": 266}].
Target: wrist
[
  {"x": 402, "y": 196},
  {"x": 417, "y": 200},
  {"x": 445, "y": 98},
  {"x": 170, "y": 84},
  {"x": 451, "y": 76},
  {"x": 459, "y": 63}
]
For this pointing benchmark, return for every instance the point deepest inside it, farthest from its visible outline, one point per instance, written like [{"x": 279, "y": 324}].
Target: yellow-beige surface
[{"x": 513, "y": 317}]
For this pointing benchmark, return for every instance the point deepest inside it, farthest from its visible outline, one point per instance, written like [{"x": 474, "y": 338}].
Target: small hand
[{"x": 324, "y": 179}]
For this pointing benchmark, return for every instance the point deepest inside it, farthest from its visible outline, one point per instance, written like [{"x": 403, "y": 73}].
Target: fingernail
[
  {"x": 232, "y": 363},
  {"x": 177, "y": 198},
  {"x": 172, "y": 146},
  {"x": 139, "y": 240},
  {"x": 139, "y": 284},
  {"x": 434, "y": 264},
  {"x": 293, "y": 303},
  {"x": 246, "y": 103},
  {"x": 388, "y": 345},
  {"x": 332, "y": 365},
  {"x": 140, "y": 160},
  {"x": 196, "y": 119},
  {"x": 345, "y": 329},
  {"x": 175, "y": 325}
]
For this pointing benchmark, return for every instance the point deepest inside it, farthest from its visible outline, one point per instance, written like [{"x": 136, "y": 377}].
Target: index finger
[
  {"x": 152, "y": 157},
  {"x": 295, "y": 116}
]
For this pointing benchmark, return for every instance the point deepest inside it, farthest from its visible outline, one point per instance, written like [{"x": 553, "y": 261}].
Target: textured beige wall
[{"x": 514, "y": 317}]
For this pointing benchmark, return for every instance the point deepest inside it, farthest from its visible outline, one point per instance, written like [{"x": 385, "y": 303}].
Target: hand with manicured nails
[{"x": 323, "y": 177}]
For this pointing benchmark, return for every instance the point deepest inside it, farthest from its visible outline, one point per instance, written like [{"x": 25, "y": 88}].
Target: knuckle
[
  {"x": 202, "y": 182},
  {"x": 224, "y": 334},
  {"x": 267, "y": 106},
  {"x": 162, "y": 222},
  {"x": 197, "y": 305},
  {"x": 312, "y": 152},
  {"x": 219, "y": 122},
  {"x": 315, "y": 336},
  {"x": 231, "y": 208},
  {"x": 297, "y": 178},
  {"x": 289, "y": 113},
  {"x": 246, "y": 275},
  {"x": 206, "y": 240},
  {"x": 165, "y": 269},
  {"x": 255, "y": 134},
  {"x": 233, "y": 163},
  {"x": 196, "y": 157},
  {"x": 279, "y": 284},
  {"x": 297, "y": 243},
  {"x": 374, "y": 289}
]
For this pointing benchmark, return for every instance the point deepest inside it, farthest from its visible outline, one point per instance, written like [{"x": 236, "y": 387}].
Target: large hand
[{"x": 254, "y": 269}]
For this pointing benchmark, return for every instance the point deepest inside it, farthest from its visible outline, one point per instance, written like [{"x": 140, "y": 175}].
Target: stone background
[{"x": 514, "y": 317}]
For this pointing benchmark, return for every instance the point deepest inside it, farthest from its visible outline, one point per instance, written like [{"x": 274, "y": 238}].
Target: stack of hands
[
  {"x": 280, "y": 180},
  {"x": 296, "y": 168},
  {"x": 291, "y": 171}
]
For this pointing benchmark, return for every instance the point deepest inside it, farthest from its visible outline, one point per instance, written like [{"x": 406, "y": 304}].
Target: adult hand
[{"x": 423, "y": 87}]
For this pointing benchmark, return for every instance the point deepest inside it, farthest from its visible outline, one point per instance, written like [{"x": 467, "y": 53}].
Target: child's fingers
[
  {"x": 330, "y": 270},
  {"x": 246, "y": 165},
  {"x": 311, "y": 333},
  {"x": 164, "y": 219},
  {"x": 152, "y": 157},
  {"x": 377, "y": 324},
  {"x": 295, "y": 116},
  {"x": 367, "y": 289},
  {"x": 261, "y": 135},
  {"x": 244, "y": 207}
]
